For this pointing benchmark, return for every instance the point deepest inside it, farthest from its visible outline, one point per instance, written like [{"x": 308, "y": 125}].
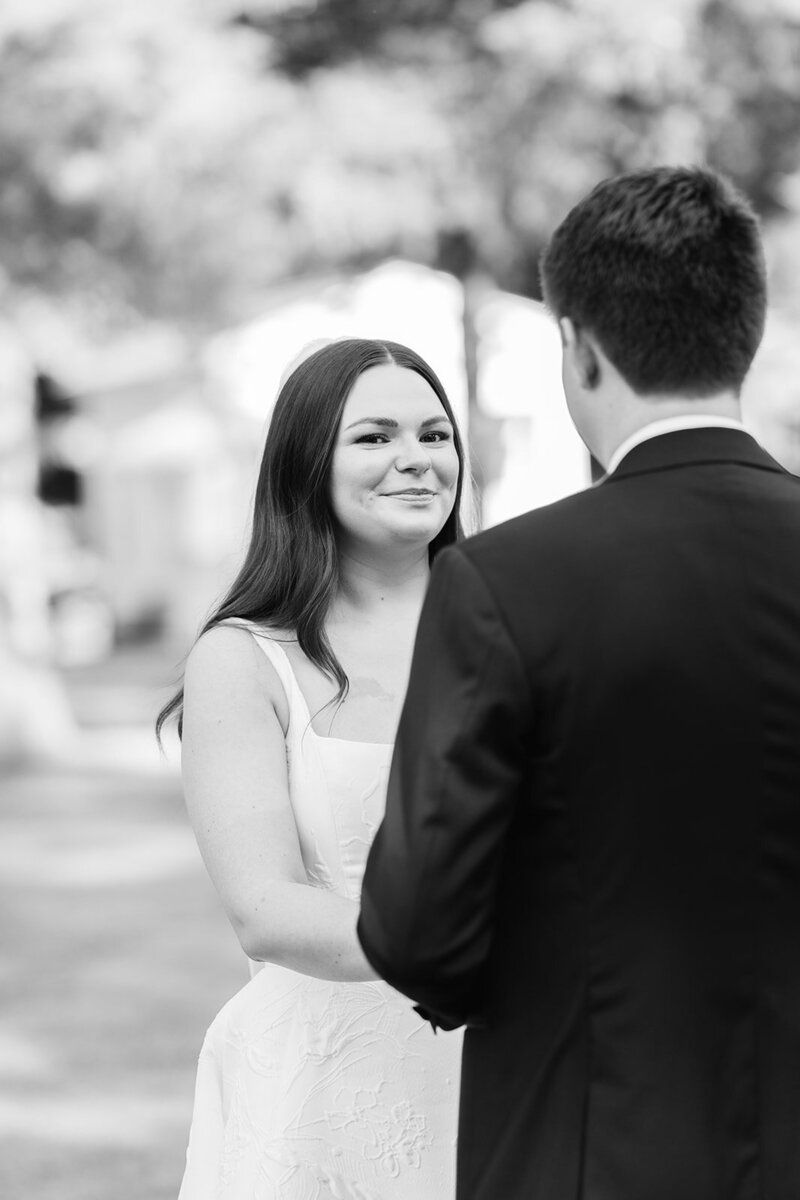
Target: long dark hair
[{"x": 291, "y": 570}]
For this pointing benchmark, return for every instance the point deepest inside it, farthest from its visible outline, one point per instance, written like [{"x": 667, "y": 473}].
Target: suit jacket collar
[{"x": 691, "y": 447}]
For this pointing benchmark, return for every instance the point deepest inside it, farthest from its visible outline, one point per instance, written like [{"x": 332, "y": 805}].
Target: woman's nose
[{"x": 413, "y": 456}]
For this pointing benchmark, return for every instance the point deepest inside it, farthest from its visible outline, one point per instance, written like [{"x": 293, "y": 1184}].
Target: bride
[{"x": 317, "y": 1081}]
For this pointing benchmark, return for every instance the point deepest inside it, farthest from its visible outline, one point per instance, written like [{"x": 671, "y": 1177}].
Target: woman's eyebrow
[{"x": 389, "y": 423}]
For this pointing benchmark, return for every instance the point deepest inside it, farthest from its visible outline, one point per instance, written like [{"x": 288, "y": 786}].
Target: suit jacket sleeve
[{"x": 433, "y": 872}]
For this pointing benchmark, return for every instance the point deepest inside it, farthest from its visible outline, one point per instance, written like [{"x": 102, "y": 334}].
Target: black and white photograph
[{"x": 400, "y": 600}]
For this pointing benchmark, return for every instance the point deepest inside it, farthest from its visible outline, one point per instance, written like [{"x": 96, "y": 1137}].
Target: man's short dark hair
[{"x": 665, "y": 268}]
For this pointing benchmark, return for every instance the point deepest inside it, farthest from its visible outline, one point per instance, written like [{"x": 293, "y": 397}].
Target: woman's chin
[
  {"x": 421, "y": 527},
  {"x": 403, "y": 535}
]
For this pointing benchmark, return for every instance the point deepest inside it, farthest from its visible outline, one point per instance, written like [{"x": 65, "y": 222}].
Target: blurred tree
[
  {"x": 128, "y": 182},
  {"x": 151, "y": 164},
  {"x": 308, "y": 34},
  {"x": 542, "y": 98},
  {"x": 173, "y": 160},
  {"x": 752, "y": 86}
]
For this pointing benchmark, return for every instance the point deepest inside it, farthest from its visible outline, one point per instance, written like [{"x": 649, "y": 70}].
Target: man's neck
[{"x": 637, "y": 414}]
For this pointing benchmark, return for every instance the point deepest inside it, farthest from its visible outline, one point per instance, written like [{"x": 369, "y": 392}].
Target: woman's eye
[{"x": 376, "y": 439}]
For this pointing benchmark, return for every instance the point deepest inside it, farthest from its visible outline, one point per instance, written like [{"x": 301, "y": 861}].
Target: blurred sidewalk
[{"x": 117, "y": 954}]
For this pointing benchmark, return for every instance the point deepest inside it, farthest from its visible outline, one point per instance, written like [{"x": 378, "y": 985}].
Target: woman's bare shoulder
[{"x": 226, "y": 660}]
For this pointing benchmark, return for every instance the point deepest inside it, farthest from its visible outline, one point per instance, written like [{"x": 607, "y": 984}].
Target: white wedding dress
[{"x": 312, "y": 1090}]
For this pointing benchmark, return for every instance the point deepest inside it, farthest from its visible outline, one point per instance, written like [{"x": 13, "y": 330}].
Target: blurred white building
[
  {"x": 399, "y": 301},
  {"x": 519, "y": 380}
]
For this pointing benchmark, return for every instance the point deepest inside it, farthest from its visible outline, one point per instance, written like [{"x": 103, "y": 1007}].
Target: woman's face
[{"x": 395, "y": 468}]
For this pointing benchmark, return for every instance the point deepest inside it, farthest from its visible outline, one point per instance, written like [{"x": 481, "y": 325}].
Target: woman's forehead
[{"x": 389, "y": 386}]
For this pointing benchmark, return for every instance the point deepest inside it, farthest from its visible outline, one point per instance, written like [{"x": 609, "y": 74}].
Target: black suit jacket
[{"x": 591, "y": 850}]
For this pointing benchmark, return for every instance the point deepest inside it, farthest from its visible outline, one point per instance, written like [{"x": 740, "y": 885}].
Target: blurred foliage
[{"x": 172, "y": 160}]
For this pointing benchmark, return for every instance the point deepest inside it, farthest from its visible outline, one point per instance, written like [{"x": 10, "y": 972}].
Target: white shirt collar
[{"x": 668, "y": 425}]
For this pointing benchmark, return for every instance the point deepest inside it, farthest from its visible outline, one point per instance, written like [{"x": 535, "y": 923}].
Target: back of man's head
[{"x": 665, "y": 268}]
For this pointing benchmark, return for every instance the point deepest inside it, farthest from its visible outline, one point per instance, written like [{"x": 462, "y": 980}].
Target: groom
[{"x": 591, "y": 850}]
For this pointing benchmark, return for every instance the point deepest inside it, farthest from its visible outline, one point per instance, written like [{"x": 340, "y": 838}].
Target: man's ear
[{"x": 580, "y": 352}]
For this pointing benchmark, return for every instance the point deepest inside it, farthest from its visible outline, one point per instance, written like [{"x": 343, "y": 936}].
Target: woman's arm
[{"x": 237, "y": 794}]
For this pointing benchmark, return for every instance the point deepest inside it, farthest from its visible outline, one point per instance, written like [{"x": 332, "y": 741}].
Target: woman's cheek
[{"x": 452, "y": 470}]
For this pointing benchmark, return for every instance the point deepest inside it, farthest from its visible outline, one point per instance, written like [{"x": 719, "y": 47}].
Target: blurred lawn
[{"x": 115, "y": 957}]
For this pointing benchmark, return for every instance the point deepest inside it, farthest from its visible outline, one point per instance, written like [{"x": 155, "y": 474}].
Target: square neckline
[{"x": 303, "y": 703}]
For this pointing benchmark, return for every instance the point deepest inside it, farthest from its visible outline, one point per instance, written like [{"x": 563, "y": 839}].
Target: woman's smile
[{"x": 412, "y": 495}]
